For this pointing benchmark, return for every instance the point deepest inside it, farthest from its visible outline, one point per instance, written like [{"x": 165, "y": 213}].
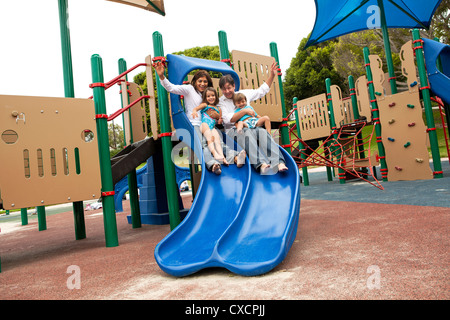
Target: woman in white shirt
[{"x": 192, "y": 94}]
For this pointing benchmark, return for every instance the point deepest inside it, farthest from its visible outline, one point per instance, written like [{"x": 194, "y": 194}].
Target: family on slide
[{"x": 239, "y": 120}]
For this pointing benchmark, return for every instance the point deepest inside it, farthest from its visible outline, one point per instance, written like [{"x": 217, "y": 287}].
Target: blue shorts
[{"x": 251, "y": 122}]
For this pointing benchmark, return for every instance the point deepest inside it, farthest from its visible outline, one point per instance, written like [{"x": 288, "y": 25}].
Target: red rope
[{"x": 341, "y": 153}]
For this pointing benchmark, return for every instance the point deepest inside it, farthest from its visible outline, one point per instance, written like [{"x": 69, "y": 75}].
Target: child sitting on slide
[
  {"x": 240, "y": 101},
  {"x": 211, "y": 115}
]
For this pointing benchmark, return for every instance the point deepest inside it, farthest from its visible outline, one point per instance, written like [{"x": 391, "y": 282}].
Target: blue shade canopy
[{"x": 335, "y": 18}]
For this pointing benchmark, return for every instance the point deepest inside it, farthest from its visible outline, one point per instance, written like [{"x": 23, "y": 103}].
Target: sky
[{"x": 30, "y": 56}]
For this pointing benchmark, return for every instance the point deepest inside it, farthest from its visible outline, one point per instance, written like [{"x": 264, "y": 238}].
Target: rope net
[{"x": 346, "y": 149}]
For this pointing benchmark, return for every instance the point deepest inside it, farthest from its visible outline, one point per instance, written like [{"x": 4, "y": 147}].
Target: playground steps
[{"x": 131, "y": 157}]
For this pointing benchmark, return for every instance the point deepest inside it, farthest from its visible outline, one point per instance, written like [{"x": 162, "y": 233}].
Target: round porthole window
[
  {"x": 87, "y": 135},
  {"x": 10, "y": 136}
]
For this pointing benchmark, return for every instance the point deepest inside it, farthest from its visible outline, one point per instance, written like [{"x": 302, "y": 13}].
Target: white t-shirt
[
  {"x": 192, "y": 98},
  {"x": 228, "y": 106}
]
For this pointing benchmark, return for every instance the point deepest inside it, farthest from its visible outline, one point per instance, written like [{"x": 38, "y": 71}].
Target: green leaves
[{"x": 308, "y": 71}]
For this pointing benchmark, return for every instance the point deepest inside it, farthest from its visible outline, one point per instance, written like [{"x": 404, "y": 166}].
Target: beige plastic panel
[
  {"x": 313, "y": 117},
  {"x": 151, "y": 102},
  {"x": 35, "y": 168},
  {"x": 407, "y": 156},
  {"x": 342, "y": 109},
  {"x": 253, "y": 70},
  {"x": 408, "y": 66},
  {"x": 137, "y": 112},
  {"x": 379, "y": 78},
  {"x": 143, "y": 4},
  {"x": 362, "y": 96}
]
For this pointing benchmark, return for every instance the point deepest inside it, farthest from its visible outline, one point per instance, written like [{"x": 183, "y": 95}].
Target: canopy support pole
[
  {"x": 387, "y": 48},
  {"x": 78, "y": 207}
]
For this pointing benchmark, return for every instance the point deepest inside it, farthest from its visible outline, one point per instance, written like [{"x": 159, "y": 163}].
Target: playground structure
[
  {"x": 158, "y": 181},
  {"x": 401, "y": 135},
  {"x": 252, "y": 211}
]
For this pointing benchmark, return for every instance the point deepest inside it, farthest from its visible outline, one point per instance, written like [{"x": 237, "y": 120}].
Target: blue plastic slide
[
  {"x": 439, "y": 80},
  {"x": 240, "y": 220}
]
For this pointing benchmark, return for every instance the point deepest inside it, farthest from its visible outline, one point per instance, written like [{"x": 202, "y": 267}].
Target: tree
[
  {"x": 206, "y": 52},
  {"x": 341, "y": 57},
  {"x": 348, "y": 58},
  {"x": 116, "y": 137},
  {"x": 308, "y": 71},
  {"x": 440, "y": 25}
]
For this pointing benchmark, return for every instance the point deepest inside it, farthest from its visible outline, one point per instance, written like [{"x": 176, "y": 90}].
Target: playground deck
[{"x": 339, "y": 246}]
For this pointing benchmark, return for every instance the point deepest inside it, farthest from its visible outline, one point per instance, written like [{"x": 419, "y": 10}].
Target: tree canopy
[
  {"x": 338, "y": 58},
  {"x": 308, "y": 70}
]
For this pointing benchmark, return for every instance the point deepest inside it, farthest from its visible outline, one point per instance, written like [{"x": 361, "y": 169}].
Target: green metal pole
[
  {"x": 166, "y": 130},
  {"x": 387, "y": 48},
  {"x": 24, "y": 216},
  {"x": 223, "y": 47},
  {"x": 66, "y": 49},
  {"x": 42, "y": 222},
  {"x": 300, "y": 145},
  {"x": 334, "y": 128},
  {"x": 438, "y": 173},
  {"x": 285, "y": 141},
  {"x": 132, "y": 176},
  {"x": 375, "y": 115},
  {"x": 109, "y": 214},
  {"x": 78, "y": 207},
  {"x": 351, "y": 84}
]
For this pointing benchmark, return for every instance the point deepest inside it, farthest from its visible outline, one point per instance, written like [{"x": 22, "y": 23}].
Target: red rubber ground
[{"x": 339, "y": 253}]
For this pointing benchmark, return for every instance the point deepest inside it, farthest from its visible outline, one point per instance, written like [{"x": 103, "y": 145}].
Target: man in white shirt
[{"x": 262, "y": 150}]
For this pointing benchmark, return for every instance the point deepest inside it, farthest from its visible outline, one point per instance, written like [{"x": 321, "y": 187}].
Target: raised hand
[{"x": 159, "y": 68}]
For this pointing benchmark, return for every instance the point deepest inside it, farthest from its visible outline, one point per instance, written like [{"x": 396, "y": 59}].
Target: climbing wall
[{"x": 404, "y": 133}]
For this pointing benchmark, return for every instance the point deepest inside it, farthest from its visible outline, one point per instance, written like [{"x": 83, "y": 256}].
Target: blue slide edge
[{"x": 439, "y": 80}]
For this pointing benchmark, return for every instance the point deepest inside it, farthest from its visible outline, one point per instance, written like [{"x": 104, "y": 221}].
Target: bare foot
[
  {"x": 265, "y": 168},
  {"x": 225, "y": 162},
  {"x": 220, "y": 158},
  {"x": 240, "y": 159},
  {"x": 216, "y": 169}
]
